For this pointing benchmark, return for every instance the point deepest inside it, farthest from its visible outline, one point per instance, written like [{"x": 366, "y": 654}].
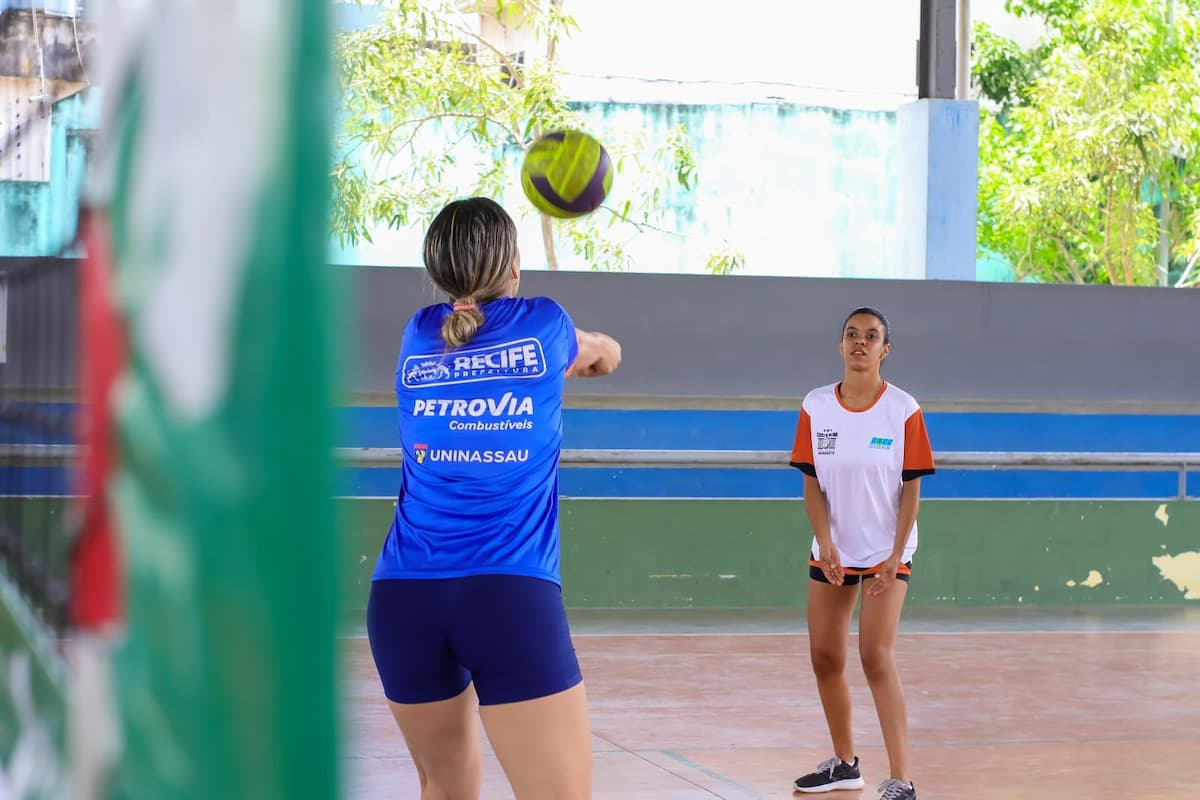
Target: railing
[
  {"x": 742, "y": 459},
  {"x": 770, "y": 459},
  {"x": 775, "y": 459}
]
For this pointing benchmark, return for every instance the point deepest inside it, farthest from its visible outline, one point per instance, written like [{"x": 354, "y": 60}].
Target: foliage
[
  {"x": 440, "y": 101},
  {"x": 1086, "y": 134}
]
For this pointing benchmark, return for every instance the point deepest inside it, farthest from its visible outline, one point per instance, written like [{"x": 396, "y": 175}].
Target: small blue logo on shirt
[{"x": 879, "y": 443}]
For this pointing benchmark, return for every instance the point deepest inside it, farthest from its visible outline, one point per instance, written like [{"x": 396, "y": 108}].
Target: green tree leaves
[
  {"x": 440, "y": 101},
  {"x": 1087, "y": 135}
]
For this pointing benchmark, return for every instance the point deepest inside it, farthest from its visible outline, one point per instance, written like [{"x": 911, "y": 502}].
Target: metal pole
[
  {"x": 1164, "y": 208},
  {"x": 36, "y": 454},
  {"x": 935, "y": 50},
  {"x": 924, "y": 48},
  {"x": 962, "y": 81}
]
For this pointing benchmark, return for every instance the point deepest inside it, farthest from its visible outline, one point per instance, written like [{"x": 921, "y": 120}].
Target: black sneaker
[
  {"x": 831, "y": 774},
  {"x": 892, "y": 789}
]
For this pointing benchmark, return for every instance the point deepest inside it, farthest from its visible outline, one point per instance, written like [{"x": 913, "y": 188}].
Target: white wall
[{"x": 837, "y": 55}]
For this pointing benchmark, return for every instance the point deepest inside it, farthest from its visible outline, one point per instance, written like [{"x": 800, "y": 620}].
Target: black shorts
[{"x": 853, "y": 577}]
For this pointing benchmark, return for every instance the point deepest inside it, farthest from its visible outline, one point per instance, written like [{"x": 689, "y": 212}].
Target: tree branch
[
  {"x": 1025, "y": 258},
  {"x": 1108, "y": 200},
  {"x": 504, "y": 57},
  {"x": 642, "y": 226},
  {"x": 1070, "y": 262},
  {"x": 387, "y": 132},
  {"x": 1128, "y": 226},
  {"x": 1066, "y": 222},
  {"x": 1187, "y": 271},
  {"x": 548, "y": 241}
]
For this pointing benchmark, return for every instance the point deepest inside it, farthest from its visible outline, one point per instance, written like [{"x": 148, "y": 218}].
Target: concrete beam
[{"x": 62, "y": 52}]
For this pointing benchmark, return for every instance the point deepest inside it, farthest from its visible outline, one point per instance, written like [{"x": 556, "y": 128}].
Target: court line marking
[
  {"x": 690, "y": 764},
  {"x": 923, "y": 744},
  {"x": 903, "y": 633},
  {"x": 963, "y": 743},
  {"x": 693, "y": 765},
  {"x": 592, "y": 635},
  {"x": 798, "y": 498},
  {"x": 641, "y": 757}
]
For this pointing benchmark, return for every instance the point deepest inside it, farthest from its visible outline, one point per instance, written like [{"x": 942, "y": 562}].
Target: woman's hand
[
  {"x": 599, "y": 354},
  {"x": 831, "y": 564},
  {"x": 884, "y": 578}
]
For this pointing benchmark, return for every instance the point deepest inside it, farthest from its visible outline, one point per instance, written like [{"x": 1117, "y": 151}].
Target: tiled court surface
[{"x": 1003, "y": 705}]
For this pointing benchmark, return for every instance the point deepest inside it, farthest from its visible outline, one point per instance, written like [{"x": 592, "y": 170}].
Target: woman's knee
[
  {"x": 828, "y": 662},
  {"x": 443, "y": 740},
  {"x": 448, "y": 776},
  {"x": 878, "y": 661}
]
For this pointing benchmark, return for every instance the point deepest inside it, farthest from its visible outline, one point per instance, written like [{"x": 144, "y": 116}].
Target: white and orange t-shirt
[{"x": 860, "y": 459}]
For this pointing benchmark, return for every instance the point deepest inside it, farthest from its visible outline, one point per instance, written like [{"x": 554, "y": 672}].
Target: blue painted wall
[
  {"x": 774, "y": 430},
  {"x": 938, "y": 191}
]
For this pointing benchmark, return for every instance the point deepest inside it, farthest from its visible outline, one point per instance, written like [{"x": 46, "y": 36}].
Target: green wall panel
[{"x": 752, "y": 553}]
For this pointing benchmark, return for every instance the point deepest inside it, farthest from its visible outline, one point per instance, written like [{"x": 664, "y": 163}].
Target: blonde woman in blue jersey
[{"x": 466, "y": 608}]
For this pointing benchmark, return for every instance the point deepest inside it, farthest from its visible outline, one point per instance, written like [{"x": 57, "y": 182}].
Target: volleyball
[{"x": 566, "y": 174}]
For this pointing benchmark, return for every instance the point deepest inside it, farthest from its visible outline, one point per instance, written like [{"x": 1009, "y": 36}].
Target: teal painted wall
[
  {"x": 39, "y": 218},
  {"x": 800, "y": 190}
]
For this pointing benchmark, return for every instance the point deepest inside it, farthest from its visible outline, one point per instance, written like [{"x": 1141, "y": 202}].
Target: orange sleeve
[
  {"x": 918, "y": 454},
  {"x": 802, "y": 452}
]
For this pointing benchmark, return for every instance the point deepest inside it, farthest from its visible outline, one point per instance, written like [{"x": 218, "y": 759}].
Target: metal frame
[
  {"x": 1179, "y": 462},
  {"x": 760, "y": 459},
  {"x": 766, "y": 459}
]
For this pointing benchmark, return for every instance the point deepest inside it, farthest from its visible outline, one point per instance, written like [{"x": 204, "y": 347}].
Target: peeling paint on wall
[
  {"x": 1183, "y": 570},
  {"x": 1093, "y": 579}
]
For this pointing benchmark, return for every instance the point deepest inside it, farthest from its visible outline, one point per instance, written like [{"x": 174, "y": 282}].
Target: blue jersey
[{"x": 481, "y": 428}]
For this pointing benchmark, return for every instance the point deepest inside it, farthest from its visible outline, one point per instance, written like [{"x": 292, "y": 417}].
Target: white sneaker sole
[{"x": 849, "y": 783}]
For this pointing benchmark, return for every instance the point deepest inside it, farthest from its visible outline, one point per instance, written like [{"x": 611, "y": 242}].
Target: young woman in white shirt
[{"x": 863, "y": 448}]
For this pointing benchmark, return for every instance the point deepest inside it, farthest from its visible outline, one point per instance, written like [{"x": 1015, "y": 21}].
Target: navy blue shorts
[{"x": 507, "y": 633}]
